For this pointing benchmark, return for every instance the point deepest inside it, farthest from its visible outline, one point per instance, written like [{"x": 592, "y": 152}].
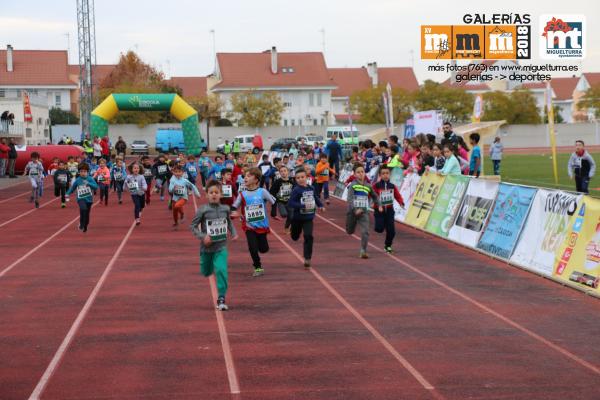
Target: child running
[
  {"x": 323, "y": 170},
  {"x": 135, "y": 183},
  {"x": 384, "y": 214},
  {"x": 148, "y": 175},
  {"x": 255, "y": 223},
  {"x": 302, "y": 201},
  {"x": 118, "y": 173},
  {"x": 191, "y": 168},
  {"x": 62, "y": 180},
  {"x": 359, "y": 192},
  {"x": 102, "y": 176},
  {"x": 212, "y": 224},
  {"x": 160, "y": 169},
  {"x": 178, "y": 187},
  {"x": 84, "y": 186},
  {"x": 228, "y": 189},
  {"x": 35, "y": 170},
  {"x": 281, "y": 190}
]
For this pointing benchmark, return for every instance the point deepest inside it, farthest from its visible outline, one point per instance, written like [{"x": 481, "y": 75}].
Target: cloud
[{"x": 28, "y": 25}]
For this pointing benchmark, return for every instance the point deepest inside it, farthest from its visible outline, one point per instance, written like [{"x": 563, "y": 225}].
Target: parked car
[
  {"x": 283, "y": 144},
  {"x": 170, "y": 140},
  {"x": 310, "y": 140},
  {"x": 247, "y": 142},
  {"x": 139, "y": 147}
]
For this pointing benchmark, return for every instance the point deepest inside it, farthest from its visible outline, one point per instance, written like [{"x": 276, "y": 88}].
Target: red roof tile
[
  {"x": 593, "y": 78},
  {"x": 563, "y": 87},
  {"x": 36, "y": 68},
  {"x": 191, "y": 86},
  {"x": 349, "y": 80},
  {"x": 253, "y": 70},
  {"x": 398, "y": 77}
]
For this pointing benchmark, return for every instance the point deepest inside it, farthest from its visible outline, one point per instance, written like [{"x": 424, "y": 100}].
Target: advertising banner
[
  {"x": 474, "y": 211},
  {"x": 340, "y": 187},
  {"x": 426, "y": 193},
  {"x": 507, "y": 220},
  {"x": 545, "y": 229},
  {"x": 578, "y": 258},
  {"x": 446, "y": 206},
  {"x": 407, "y": 191}
]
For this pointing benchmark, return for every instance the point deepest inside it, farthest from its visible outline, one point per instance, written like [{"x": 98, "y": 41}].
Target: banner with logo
[
  {"x": 426, "y": 193},
  {"x": 446, "y": 206},
  {"x": 27, "y": 116},
  {"x": 545, "y": 230},
  {"x": 407, "y": 191},
  {"x": 474, "y": 211},
  {"x": 508, "y": 216},
  {"x": 578, "y": 259},
  {"x": 340, "y": 187}
]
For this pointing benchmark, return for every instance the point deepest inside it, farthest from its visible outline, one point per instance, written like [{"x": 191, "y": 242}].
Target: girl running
[
  {"x": 84, "y": 186},
  {"x": 118, "y": 173},
  {"x": 178, "y": 188},
  {"x": 135, "y": 183},
  {"x": 102, "y": 176},
  {"x": 148, "y": 175}
]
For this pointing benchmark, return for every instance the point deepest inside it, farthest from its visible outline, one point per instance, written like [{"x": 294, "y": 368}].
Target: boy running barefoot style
[
  {"x": 135, "y": 183},
  {"x": 252, "y": 203},
  {"x": 84, "y": 186},
  {"x": 212, "y": 225},
  {"x": 178, "y": 187},
  {"x": 304, "y": 202},
  {"x": 386, "y": 191},
  {"x": 35, "y": 170},
  {"x": 118, "y": 173},
  {"x": 62, "y": 180},
  {"x": 102, "y": 176},
  {"x": 359, "y": 192},
  {"x": 281, "y": 190}
]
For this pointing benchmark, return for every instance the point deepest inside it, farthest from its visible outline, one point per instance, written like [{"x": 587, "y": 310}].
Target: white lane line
[{"x": 27, "y": 212}]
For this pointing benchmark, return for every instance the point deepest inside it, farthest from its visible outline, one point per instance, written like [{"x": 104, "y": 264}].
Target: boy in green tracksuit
[
  {"x": 359, "y": 192},
  {"x": 212, "y": 225}
]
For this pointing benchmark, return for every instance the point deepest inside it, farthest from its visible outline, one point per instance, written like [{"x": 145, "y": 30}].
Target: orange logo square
[
  {"x": 501, "y": 42},
  {"x": 436, "y": 42}
]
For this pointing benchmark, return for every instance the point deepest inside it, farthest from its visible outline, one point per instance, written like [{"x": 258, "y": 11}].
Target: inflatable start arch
[{"x": 171, "y": 102}]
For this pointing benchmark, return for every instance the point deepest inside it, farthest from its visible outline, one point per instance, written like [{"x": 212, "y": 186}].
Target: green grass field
[{"x": 536, "y": 170}]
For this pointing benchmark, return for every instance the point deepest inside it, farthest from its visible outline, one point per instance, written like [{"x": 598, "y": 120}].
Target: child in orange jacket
[
  {"x": 323, "y": 170},
  {"x": 102, "y": 176}
]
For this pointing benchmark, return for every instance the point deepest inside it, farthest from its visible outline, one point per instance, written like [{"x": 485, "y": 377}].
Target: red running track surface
[{"x": 435, "y": 321}]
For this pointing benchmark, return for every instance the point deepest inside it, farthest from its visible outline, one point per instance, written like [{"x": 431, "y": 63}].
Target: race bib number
[
  {"x": 361, "y": 202},
  {"x": 205, "y": 164},
  {"x": 83, "y": 191},
  {"x": 242, "y": 187},
  {"x": 308, "y": 203},
  {"x": 162, "y": 169},
  {"x": 309, "y": 181},
  {"x": 255, "y": 212},
  {"x": 325, "y": 172},
  {"x": 33, "y": 172},
  {"x": 179, "y": 190},
  {"x": 73, "y": 170},
  {"x": 185, "y": 175},
  {"x": 218, "y": 175},
  {"x": 61, "y": 178},
  {"x": 118, "y": 175},
  {"x": 285, "y": 191},
  {"x": 148, "y": 172},
  {"x": 133, "y": 186},
  {"x": 192, "y": 169},
  {"x": 387, "y": 197},
  {"x": 100, "y": 178},
  {"x": 227, "y": 191},
  {"x": 217, "y": 229}
]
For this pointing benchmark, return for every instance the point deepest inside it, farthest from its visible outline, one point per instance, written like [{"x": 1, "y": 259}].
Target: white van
[{"x": 344, "y": 134}]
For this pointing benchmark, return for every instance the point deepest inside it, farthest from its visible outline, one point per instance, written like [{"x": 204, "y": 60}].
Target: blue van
[{"x": 170, "y": 140}]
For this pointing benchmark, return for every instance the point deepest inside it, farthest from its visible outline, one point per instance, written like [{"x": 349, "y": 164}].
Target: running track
[{"x": 124, "y": 314}]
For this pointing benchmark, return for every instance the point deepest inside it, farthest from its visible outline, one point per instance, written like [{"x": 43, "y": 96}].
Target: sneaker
[
  {"x": 258, "y": 272},
  {"x": 80, "y": 228},
  {"x": 162, "y": 198},
  {"x": 170, "y": 205},
  {"x": 68, "y": 199},
  {"x": 221, "y": 306},
  {"x": 306, "y": 263},
  {"x": 327, "y": 202},
  {"x": 175, "y": 224},
  {"x": 63, "y": 205},
  {"x": 137, "y": 221},
  {"x": 84, "y": 229},
  {"x": 120, "y": 201},
  {"x": 363, "y": 254},
  {"x": 31, "y": 199},
  {"x": 37, "y": 204},
  {"x": 388, "y": 249},
  {"x": 286, "y": 231}
]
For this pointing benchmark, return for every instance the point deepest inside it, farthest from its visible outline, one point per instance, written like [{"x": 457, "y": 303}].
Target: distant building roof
[
  {"x": 593, "y": 78},
  {"x": 99, "y": 72},
  {"x": 35, "y": 68},
  {"x": 398, "y": 77},
  {"x": 253, "y": 70},
  {"x": 349, "y": 80},
  {"x": 563, "y": 87},
  {"x": 191, "y": 86}
]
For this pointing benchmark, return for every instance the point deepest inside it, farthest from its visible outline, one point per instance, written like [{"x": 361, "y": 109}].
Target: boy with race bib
[
  {"x": 228, "y": 189},
  {"x": 160, "y": 169},
  {"x": 387, "y": 192},
  {"x": 148, "y": 175},
  {"x": 118, "y": 173},
  {"x": 62, "y": 180},
  {"x": 84, "y": 187},
  {"x": 35, "y": 170},
  {"x": 178, "y": 188},
  {"x": 212, "y": 225},
  {"x": 304, "y": 202},
  {"x": 135, "y": 184},
  {"x": 252, "y": 203},
  {"x": 281, "y": 189},
  {"x": 359, "y": 192}
]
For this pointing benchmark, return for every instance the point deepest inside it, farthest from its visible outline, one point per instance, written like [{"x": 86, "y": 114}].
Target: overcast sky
[{"x": 174, "y": 35}]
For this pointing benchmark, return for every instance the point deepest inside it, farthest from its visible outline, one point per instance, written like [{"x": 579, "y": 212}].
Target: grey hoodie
[{"x": 212, "y": 215}]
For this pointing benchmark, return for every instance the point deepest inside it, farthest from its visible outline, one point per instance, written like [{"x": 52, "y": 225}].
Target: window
[
  {"x": 2, "y": 93},
  {"x": 322, "y": 121},
  {"x": 319, "y": 99},
  {"x": 293, "y": 122},
  {"x": 285, "y": 122},
  {"x": 287, "y": 104},
  {"x": 315, "y": 122},
  {"x": 57, "y": 99},
  {"x": 299, "y": 121},
  {"x": 311, "y": 99},
  {"x": 28, "y": 132},
  {"x": 45, "y": 132}
]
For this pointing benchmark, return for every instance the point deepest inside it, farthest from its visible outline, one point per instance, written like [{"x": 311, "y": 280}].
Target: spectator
[
  {"x": 581, "y": 167},
  {"x": 121, "y": 147},
  {"x": 394, "y": 144},
  {"x": 97, "y": 148},
  {"x": 334, "y": 153},
  {"x": 105, "y": 148},
  {"x": 4, "y": 149},
  {"x": 475, "y": 160},
  {"x": 12, "y": 158},
  {"x": 496, "y": 154},
  {"x": 449, "y": 135}
]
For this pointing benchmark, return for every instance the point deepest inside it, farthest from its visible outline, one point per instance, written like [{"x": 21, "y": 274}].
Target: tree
[
  {"x": 518, "y": 107},
  {"x": 496, "y": 106},
  {"x": 369, "y": 104},
  {"x": 209, "y": 107},
  {"x": 256, "y": 109},
  {"x": 455, "y": 103},
  {"x": 61, "y": 117},
  {"x": 591, "y": 100},
  {"x": 132, "y": 75},
  {"x": 558, "y": 119}
]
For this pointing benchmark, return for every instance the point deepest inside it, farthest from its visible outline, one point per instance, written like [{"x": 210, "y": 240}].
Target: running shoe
[
  {"x": 120, "y": 201},
  {"x": 388, "y": 249},
  {"x": 162, "y": 198},
  {"x": 327, "y": 202},
  {"x": 137, "y": 221},
  {"x": 307, "y": 263},
  {"x": 37, "y": 204},
  {"x": 258, "y": 272},
  {"x": 363, "y": 254},
  {"x": 84, "y": 229},
  {"x": 170, "y": 205},
  {"x": 63, "y": 205},
  {"x": 221, "y": 306}
]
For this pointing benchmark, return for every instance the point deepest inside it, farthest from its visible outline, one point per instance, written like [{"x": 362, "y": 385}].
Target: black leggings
[
  {"x": 307, "y": 227},
  {"x": 104, "y": 188},
  {"x": 119, "y": 188},
  {"x": 60, "y": 191},
  {"x": 385, "y": 221},
  {"x": 257, "y": 243},
  {"x": 85, "y": 209},
  {"x": 139, "y": 200}
]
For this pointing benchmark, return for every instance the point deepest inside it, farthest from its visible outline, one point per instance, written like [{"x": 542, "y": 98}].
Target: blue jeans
[
  {"x": 582, "y": 184},
  {"x": 496, "y": 167}
]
